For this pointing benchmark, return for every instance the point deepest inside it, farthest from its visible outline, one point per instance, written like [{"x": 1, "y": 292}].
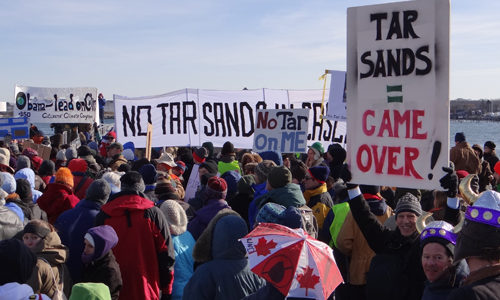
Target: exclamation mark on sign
[
  {"x": 436, "y": 150},
  {"x": 395, "y": 97}
]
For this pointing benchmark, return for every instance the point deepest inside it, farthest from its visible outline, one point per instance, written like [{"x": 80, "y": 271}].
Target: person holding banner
[{"x": 102, "y": 104}]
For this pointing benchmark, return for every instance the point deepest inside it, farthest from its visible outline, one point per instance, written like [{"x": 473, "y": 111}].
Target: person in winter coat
[
  {"x": 335, "y": 156},
  {"x": 183, "y": 245},
  {"x": 228, "y": 160},
  {"x": 143, "y": 234},
  {"x": 23, "y": 190},
  {"x": 10, "y": 223},
  {"x": 206, "y": 170},
  {"x": 231, "y": 177},
  {"x": 261, "y": 173},
  {"x": 28, "y": 174},
  {"x": 316, "y": 193},
  {"x": 18, "y": 263},
  {"x": 99, "y": 262},
  {"x": 215, "y": 195},
  {"x": 47, "y": 171},
  {"x": 50, "y": 276},
  {"x": 438, "y": 241},
  {"x": 243, "y": 197},
  {"x": 490, "y": 154},
  {"x": 74, "y": 223},
  {"x": 479, "y": 243},
  {"x": 59, "y": 196},
  {"x": 81, "y": 181},
  {"x": 12, "y": 200},
  {"x": 224, "y": 272},
  {"x": 315, "y": 155},
  {"x": 351, "y": 242},
  {"x": 463, "y": 156},
  {"x": 165, "y": 190},
  {"x": 149, "y": 175}
]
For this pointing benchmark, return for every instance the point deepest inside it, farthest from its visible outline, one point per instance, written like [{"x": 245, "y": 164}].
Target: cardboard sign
[
  {"x": 17, "y": 128},
  {"x": 397, "y": 96},
  {"x": 191, "y": 117},
  {"x": 43, "y": 150},
  {"x": 56, "y": 105},
  {"x": 281, "y": 130}
]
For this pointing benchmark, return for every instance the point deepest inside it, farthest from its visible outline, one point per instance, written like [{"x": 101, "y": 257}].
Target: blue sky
[{"x": 139, "y": 48}]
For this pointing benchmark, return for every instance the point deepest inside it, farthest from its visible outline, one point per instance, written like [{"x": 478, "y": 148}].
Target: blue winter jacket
[
  {"x": 260, "y": 189},
  {"x": 183, "y": 268}
]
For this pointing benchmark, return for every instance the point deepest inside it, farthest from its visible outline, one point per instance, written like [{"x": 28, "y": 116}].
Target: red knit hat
[
  {"x": 216, "y": 188},
  {"x": 78, "y": 165}
]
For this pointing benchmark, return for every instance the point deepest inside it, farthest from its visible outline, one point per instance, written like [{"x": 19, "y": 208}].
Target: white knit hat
[
  {"x": 176, "y": 217},
  {"x": 113, "y": 179}
]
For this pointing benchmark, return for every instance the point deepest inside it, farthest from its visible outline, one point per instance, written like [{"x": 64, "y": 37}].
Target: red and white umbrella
[{"x": 292, "y": 261}]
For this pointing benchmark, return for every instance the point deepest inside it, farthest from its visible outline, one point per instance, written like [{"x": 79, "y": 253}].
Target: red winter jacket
[
  {"x": 78, "y": 168},
  {"x": 144, "y": 251},
  {"x": 57, "y": 199}
]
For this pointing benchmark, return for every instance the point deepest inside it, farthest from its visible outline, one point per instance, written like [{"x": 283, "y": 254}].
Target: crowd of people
[{"x": 101, "y": 221}]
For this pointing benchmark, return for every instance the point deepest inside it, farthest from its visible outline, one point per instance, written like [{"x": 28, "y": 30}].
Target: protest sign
[
  {"x": 281, "y": 130},
  {"x": 397, "y": 93},
  {"x": 17, "y": 128},
  {"x": 43, "y": 150},
  {"x": 191, "y": 117},
  {"x": 336, "y": 100},
  {"x": 193, "y": 183},
  {"x": 56, "y": 105}
]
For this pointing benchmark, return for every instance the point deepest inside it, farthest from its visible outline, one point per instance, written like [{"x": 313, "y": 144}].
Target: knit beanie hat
[
  {"x": 23, "y": 189},
  {"x": 148, "y": 173},
  {"x": 93, "y": 145},
  {"x": 30, "y": 152},
  {"x": 176, "y": 217},
  {"x": 17, "y": 261},
  {"x": 104, "y": 238},
  {"x": 113, "y": 180},
  {"x": 23, "y": 162},
  {"x": 132, "y": 181},
  {"x": 278, "y": 214},
  {"x": 263, "y": 169},
  {"x": 245, "y": 185},
  {"x": 490, "y": 145},
  {"x": 320, "y": 173},
  {"x": 128, "y": 154},
  {"x": 200, "y": 154},
  {"x": 37, "y": 229},
  {"x": 216, "y": 188},
  {"x": 90, "y": 290},
  {"x": 78, "y": 165},
  {"x": 63, "y": 175},
  {"x": 408, "y": 203},
  {"x": 98, "y": 191},
  {"x": 369, "y": 189},
  {"x": 61, "y": 155},
  {"x": 272, "y": 155},
  {"x": 71, "y": 153},
  {"x": 228, "y": 149},
  {"x": 459, "y": 137},
  {"x": 439, "y": 232},
  {"x": 47, "y": 168},
  {"x": 14, "y": 148},
  {"x": 211, "y": 166},
  {"x": 279, "y": 177},
  {"x": 210, "y": 147},
  {"x": 83, "y": 150},
  {"x": 36, "y": 161},
  {"x": 8, "y": 182},
  {"x": 181, "y": 166}
]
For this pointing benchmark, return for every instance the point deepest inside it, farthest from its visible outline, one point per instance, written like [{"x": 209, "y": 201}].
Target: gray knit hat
[
  {"x": 176, "y": 217},
  {"x": 409, "y": 203},
  {"x": 71, "y": 153},
  {"x": 132, "y": 181},
  {"x": 98, "y": 191},
  {"x": 279, "y": 177},
  {"x": 22, "y": 162},
  {"x": 263, "y": 169}
]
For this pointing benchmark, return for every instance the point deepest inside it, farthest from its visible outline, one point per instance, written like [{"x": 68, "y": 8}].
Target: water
[{"x": 476, "y": 132}]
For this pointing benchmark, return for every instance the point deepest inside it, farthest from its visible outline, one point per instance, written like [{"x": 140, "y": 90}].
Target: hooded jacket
[
  {"x": 464, "y": 158},
  {"x": 449, "y": 281},
  {"x": 14, "y": 290},
  {"x": 104, "y": 270},
  {"x": 225, "y": 273},
  {"x": 143, "y": 233},
  {"x": 289, "y": 195},
  {"x": 10, "y": 224},
  {"x": 57, "y": 199},
  {"x": 29, "y": 175},
  {"x": 51, "y": 258},
  {"x": 203, "y": 216}
]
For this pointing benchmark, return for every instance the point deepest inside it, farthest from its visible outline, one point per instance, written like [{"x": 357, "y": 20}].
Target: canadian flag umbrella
[{"x": 292, "y": 261}]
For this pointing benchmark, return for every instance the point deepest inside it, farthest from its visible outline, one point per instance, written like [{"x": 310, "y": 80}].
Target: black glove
[
  {"x": 166, "y": 297},
  {"x": 346, "y": 176},
  {"x": 449, "y": 182}
]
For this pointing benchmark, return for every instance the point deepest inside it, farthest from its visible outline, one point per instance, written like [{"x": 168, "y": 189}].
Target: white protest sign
[
  {"x": 336, "y": 101},
  {"x": 191, "y": 117},
  {"x": 56, "y": 105},
  {"x": 281, "y": 130},
  {"x": 193, "y": 183},
  {"x": 398, "y": 93}
]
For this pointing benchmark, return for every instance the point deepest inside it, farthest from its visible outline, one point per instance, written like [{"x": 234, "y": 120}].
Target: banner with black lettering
[
  {"x": 398, "y": 93},
  {"x": 191, "y": 117},
  {"x": 56, "y": 105}
]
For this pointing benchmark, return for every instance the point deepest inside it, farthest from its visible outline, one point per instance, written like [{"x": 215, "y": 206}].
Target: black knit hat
[
  {"x": 132, "y": 181},
  {"x": 17, "y": 261},
  {"x": 228, "y": 149},
  {"x": 210, "y": 147},
  {"x": 490, "y": 145},
  {"x": 319, "y": 173},
  {"x": 459, "y": 137},
  {"x": 279, "y": 177},
  {"x": 211, "y": 166},
  {"x": 408, "y": 203},
  {"x": 369, "y": 189}
]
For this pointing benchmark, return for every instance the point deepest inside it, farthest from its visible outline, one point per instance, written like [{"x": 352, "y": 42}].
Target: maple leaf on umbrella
[
  {"x": 307, "y": 280},
  {"x": 263, "y": 246}
]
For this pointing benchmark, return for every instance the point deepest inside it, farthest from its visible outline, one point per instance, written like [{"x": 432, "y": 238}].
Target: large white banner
[
  {"x": 56, "y": 105},
  {"x": 398, "y": 93},
  {"x": 191, "y": 117}
]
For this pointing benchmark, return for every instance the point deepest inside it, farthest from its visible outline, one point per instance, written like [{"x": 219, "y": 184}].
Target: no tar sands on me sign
[
  {"x": 398, "y": 93},
  {"x": 281, "y": 130},
  {"x": 56, "y": 105}
]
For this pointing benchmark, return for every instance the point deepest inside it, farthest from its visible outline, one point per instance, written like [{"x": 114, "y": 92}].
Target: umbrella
[{"x": 292, "y": 261}]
